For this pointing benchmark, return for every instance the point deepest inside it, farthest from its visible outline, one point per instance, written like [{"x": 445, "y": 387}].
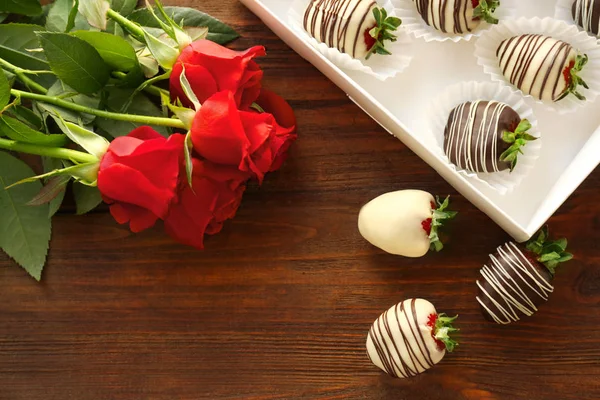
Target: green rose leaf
[
  {"x": 51, "y": 164},
  {"x": 188, "y": 17},
  {"x": 86, "y": 198},
  {"x": 95, "y": 12},
  {"x": 51, "y": 190},
  {"x": 140, "y": 105},
  {"x": 63, "y": 17},
  {"x": 116, "y": 52},
  {"x": 16, "y": 44},
  {"x": 20, "y": 132},
  {"x": 24, "y": 230},
  {"x": 76, "y": 62},
  {"x": 124, "y": 7},
  {"x": 63, "y": 91},
  {"x": 24, "y": 7},
  {"x": 4, "y": 91},
  {"x": 26, "y": 116},
  {"x": 88, "y": 140}
]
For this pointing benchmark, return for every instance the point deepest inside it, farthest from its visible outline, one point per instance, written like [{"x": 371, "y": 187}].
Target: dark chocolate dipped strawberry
[
  {"x": 485, "y": 136},
  {"x": 359, "y": 28},
  {"x": 457, "y": 16},
  {"x": 543, "y": 67},
  {"x": 586, "y": 14},
  {"x": 518, "y": 278}
]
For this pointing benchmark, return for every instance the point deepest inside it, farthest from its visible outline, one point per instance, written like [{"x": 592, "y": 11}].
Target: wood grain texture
[{"x": 278, "y": 306}]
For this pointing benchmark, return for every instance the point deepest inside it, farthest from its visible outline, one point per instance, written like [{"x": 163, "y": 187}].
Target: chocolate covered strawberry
[
  {"x": 518, "y": 278},
  {"x": 586, "y": 14},
  {"x": 543, "y": 67},
  {"x": 359, "y": 28},
  {"x": 457, "y": 16},
  {"x": 485, "y": 136},
  {"x": 410, "y": 338},
  {"x": 405, "y": 222}
]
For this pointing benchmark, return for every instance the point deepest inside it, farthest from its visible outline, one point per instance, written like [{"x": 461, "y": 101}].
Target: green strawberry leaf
[{"x": 24, "y": 230}]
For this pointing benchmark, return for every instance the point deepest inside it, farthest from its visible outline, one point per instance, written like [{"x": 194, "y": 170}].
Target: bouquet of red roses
[{"x": 88, "y": 93}]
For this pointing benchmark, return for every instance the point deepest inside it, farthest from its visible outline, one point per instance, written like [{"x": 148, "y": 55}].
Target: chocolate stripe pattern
[
  {"x": 473, "y": 133},
  {"x": 399, "y": 341},
  {"x": 535, "y": 64},
  {"x": 512, "y": 286},
  {"x": 448, "y": 16},
  {"x": 586, "y": 14},
  {"x": 341, "y": 24}
]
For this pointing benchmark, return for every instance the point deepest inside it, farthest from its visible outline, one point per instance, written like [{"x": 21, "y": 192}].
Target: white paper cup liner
[
  {"x": 487, "y": 45},
  {"x": 406, "y": 10},
  {"x": 563, "y": 12},
  {"x": 441, "y": 107},
  {"x": 381, "y": 67}
]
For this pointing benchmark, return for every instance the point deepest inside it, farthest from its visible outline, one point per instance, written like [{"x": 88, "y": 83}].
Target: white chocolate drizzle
[
  {"x": 586, "y": 14},
  {"x": 507, "y": 276},
  {"x": 467, "y": 143}
]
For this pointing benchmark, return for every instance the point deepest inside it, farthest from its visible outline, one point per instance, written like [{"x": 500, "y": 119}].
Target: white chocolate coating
[
  {"x": 401, "y": 343},
  {"x": 449, "y": 16},
  {"x": 393, "y": 222},
  {"x": 341, "y": 24},
  {"x": 535, "y": 64}
]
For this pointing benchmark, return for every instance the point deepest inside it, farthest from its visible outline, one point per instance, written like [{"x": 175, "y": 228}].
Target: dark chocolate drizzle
[
  {"x": 521, "y": 51},
  {"x": 439, "y": 9},
  {"x": 334, "y": 30},
  {"x": 394, "y": 363},
  {"x": 513, "y": 285},
  {"x": 473, "y": 135},
  {"x": 586, "y": 14}
]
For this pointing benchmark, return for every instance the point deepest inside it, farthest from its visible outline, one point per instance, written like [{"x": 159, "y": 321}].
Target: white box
[{"x": 571, "y": 148}]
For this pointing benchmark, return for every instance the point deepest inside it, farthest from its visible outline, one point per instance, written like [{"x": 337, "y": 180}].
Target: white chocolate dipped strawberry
[
  {"x": 410, "y": 338},
  {"x": 543, "y": 67},
  {"x": 405, "y": 222},
  {"x": 457, "y": 16},
  {"x": 359, "y": 28}
]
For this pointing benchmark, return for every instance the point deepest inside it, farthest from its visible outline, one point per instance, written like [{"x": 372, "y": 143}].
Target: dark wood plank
[{"x": 279, "y": 304}]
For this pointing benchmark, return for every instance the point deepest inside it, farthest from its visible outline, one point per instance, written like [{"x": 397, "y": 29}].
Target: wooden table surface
[{"x": 279, "y": 304}]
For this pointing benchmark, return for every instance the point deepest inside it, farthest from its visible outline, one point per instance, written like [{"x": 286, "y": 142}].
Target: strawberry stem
[
  {"x": 443, "y": 329},
  {"x": 439, "y": 218},
  {"x": 485, "y": 11},
  {"x": 517, "y": 139},
  {"x": 573, "y": 79},
  {"x": 550, "y": 253},
  {"x": 383, "y": 30}
]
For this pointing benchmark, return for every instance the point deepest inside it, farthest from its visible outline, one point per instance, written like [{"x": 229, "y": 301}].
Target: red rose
[
  {"x": 253, "y": 142},
  {"x": 138, "y": 176},
  {"x": 212, "y": 68},
  {"x": 215, "y": 196}
]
